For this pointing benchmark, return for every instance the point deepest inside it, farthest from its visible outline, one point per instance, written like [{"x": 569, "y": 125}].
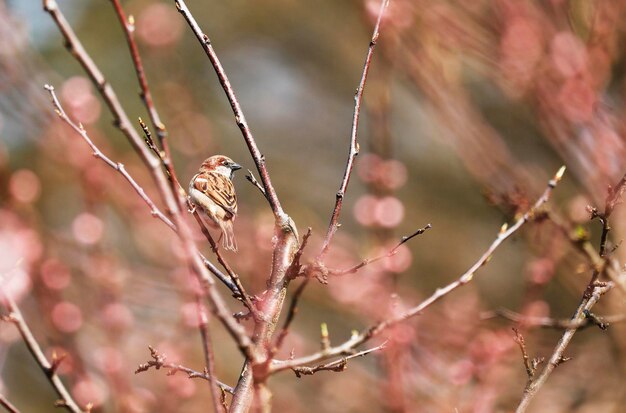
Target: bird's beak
[{"x": 235, "y": 166}]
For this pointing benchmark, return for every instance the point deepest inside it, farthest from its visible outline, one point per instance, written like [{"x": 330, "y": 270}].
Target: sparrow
[{"x": 212, "y": 190}]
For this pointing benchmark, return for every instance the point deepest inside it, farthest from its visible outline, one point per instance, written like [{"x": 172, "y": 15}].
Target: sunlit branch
[
  {"x": 360, "y": 338},
  {"x": 50, "y": 369},
  {"x": 354, "y": 146}
]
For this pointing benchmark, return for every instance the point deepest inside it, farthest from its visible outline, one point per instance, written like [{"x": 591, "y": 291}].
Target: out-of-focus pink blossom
[
  {"x": 537, "y": 308},
  {"x": 461, "y": 372},
  {"x": 400, "y": 261},
  {"x": 367, "y": 167},
  {"x": 83, "y": 106},
  {"x": 190, "y": 314},
  {"x": 394, "y": 174},
  {"x": 577, "y": 209},
  {"x": 87, "y": 391},
  {"x": 55, "y": 275},
  {"x": 158, "y": 25},
  {"x": 140, "y": 401},
  {"x": 87, "y": 228},
  {"x": 540, "y": 271},
  {"x": 402, "y": 334},
  {"x": 67, "y": 317},
  {"x": 182, "y": 386},
  {"x": 117, "y": 317},
  {"x": 576, "y": 99},
  {"x": 25, "y": 186},
  {"x": 389, "y": 212},
  {"x": 364, "y": 209},
  {"x": 108, "y": 359},
  {"x": 521, "y": 48},
  {"x": 568, "y": 53}
]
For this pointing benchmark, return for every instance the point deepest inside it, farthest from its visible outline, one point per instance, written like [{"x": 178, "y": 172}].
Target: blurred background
[{"x": 470, "y": 107}]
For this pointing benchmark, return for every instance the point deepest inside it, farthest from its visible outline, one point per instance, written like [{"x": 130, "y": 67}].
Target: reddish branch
[
  {"x": 209, "y": 355},
  {"x": 240, "y": 119},
  {"x": 159, "y": 361},
  {"x": 7, "y": 405},
  {"x": 360, "y": 338},
  {"x": 562, "y": 324},
  {"x": 128, "y": 25},
  {"x": 218, "y": 306},
  {"x": 594, "y": 291},
  {"x": 558, "y": 357},
  {"x": 336, "y": 366},
  {"x": 119, "y": 167},
  {"x": 390, "y": 253},
  {"x": 50, "y": 369},
  {"x": 240, "y": 293},
  {"x": 354, "y": 146}
]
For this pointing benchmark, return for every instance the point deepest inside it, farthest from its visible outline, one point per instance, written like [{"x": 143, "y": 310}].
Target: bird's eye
[{"x": 224, "y": 163}]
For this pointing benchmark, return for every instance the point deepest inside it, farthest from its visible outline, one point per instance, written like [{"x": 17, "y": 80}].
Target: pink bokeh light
[
  {"x": 25, "y": 186},
  {"x": 67, "y": 317},
  {"x": 87, "y": 228}
]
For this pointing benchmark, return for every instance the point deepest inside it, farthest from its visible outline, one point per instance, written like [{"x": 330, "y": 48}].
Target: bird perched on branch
[{"x": 212, "y": 190}]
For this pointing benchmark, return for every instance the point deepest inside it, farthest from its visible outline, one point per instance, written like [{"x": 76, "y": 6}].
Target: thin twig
[
  {"x": 7, "y": 405},
  {"x": 160, "y": 361},
  {"x": 240, "y": 293},
  {"x": 209, "y": 355},
  {"x": 390, "y": 253},
  {"x": 558, "y": 357},
  {"x": 519, "y": 339},
  {"x": 336, "y": 366},
  {"x": 49, "y": 369},
  {"x": 240, "y": 119},
  {"x": 594, "y": 291},
  {"x": 354, "y": 146},
  {"x": 200, "y": 269},
  {"x": 547, "y": 322},
  {"x": 250, "y": 177},
  {"x": 128, "y": 26},
  {"x": 119, "y": 167},
  {"x": 360, "y": 338}
]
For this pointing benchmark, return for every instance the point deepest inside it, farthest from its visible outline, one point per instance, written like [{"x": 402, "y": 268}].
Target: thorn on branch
[{"x": 563, "y": 359}]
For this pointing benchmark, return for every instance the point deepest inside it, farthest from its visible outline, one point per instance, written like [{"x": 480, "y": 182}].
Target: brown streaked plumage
[{"x": 212, "y": 190}]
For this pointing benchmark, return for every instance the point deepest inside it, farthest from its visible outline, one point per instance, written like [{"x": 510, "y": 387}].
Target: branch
[
  {"x": 49, "y": 369},
  {"x": 557, "y": 357},
  {"x": 128, "y": 26},
  {"x": 7, "y": 405},
  {"x": 209, "y": 355},
  {"x": 218, "y": 306},
  {"x": 159, "y": 361},
  {"x": 240, "y": 292},
  {"x": 531, "y": 365},
  {"x": 391, "y": 253},
  {"x": 336, "y": 366},
  {"x": 360, "y": 338},
  {"x": 119, "y": 167},
  {"x": 594, "y": 291},
  {"x": 354, "y": 146},
  {"x": 547, "y": 322},
  {"x": 240, "y": 119}
]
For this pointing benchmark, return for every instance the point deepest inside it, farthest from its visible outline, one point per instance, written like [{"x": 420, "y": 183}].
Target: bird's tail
[{"x": 228, "y": 236}]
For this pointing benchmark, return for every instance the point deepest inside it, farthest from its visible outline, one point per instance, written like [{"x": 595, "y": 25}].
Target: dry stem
[
  {"x": 354, "y": 146},
  {"x": 15, "y": 316},
  {"x": 360, "y": 338}
]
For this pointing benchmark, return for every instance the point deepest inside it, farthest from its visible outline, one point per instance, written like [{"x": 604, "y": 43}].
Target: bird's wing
[{"x": 219, "y": 189}]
